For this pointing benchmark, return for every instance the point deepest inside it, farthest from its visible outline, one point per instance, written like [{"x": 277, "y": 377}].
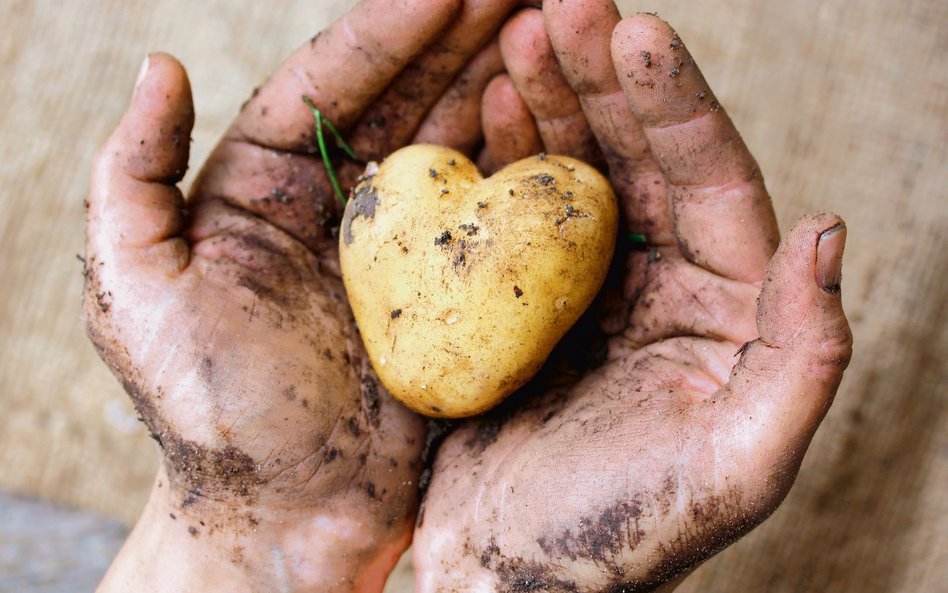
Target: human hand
[
  {"x": 693, "y": 428},
  {"x": 286, "y": 464}
]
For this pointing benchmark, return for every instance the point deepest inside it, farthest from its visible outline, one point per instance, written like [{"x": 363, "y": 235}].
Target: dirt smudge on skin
[
  {"x": 484, "y": 435},
  {"x": 629, "y": 587},
  {"x": 207, "y": 470},
  {"x": 709, "y": 524},
  {"x": 365, "y": 197},
  {"x": 712, "y": 523},
  {"x": 104, "y": 301},
  {"x": 686, "y": 249},
  {"x": 253, "y": 242},
  {"x": 600, "y": 538},
  {"x": 201, "y": 470},
  {"x": 370, "y": 491},
  {"x": 263, "y": 292},
  {"x": 277, "y": 279},
  {"x": 516, "y": 575},
  {"x": 370, "y": 400},
  {"x": 435, "y": 432},
  {"x": 206, "y": 370}
]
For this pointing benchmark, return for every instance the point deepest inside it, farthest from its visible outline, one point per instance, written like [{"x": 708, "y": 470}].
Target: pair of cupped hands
[{"x": 287, "y": 467}]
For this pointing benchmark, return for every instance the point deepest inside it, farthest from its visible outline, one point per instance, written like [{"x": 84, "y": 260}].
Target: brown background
[{"x": 844, "y": 103}]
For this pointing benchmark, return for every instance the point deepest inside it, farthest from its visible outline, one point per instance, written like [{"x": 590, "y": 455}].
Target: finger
[
  {"x": 135, "y": 210},
  {"x": 534, "y": 71},
  {"x": 395, "y": 117},
  {"x": 343, "y": 69},
  {"x": 723, "y": 219},
  {"x": 786, "y": 380},
  {"x": 581, "y": 33},
  {"x": 510, "y": 134},
  {"x": 455, "y": 120}
]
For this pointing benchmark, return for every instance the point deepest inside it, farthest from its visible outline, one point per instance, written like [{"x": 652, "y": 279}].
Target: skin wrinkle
[
  {"x": 705, "y": 387},
  {"x": 351, "y": 40},
  {"x": 742, "y": 423},
  {"x": 690, "y": 123},
  {"x": 274, "y": 451},
  {"x": 237, "y": 136},
  {"x": 694, "y": 298},
  {"x": 303, "y": 481},
  {"x": 554, "y": 124},
  {"x": 492, "y": 470},
  {"x": 717, "y": 379},
  {"x": 151, "y": 348},
  {"x": 729, "y": 187},
  {"x": 799, "y": 329},
  {"x": 230, "y": 428},
  {"x": 638, "y": 152}
]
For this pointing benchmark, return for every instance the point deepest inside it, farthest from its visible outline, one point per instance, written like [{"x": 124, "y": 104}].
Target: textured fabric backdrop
[{"x": 844, "y": 103}]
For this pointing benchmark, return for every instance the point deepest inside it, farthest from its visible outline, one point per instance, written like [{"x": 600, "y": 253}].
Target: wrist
[{"x": 192, "y": 543}]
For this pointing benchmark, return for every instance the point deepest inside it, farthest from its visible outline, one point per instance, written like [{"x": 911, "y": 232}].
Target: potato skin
[{"x": 461, "y": 286}]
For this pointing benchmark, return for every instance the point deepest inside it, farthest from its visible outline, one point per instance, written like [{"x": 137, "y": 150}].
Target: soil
[
  {"x": 443, "y": 239},
  {"x": 365, "y": 198}
]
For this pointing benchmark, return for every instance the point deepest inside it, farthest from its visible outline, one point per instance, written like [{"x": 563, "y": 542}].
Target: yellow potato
[{"x": 461, "y": 286}]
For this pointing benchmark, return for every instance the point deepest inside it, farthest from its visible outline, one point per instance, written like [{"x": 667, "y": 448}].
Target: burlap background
[{"x": 844, "y": 103}]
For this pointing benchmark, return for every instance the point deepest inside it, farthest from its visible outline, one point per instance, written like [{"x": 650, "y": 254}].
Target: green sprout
[
  {"x": 638, "y": 238},
  {"x": 321, "y": 121}
]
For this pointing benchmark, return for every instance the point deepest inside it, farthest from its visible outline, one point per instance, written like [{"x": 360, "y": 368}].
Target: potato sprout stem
[
  {"x": 320, "y": 121},
  {"x": 638, "y": 238}
]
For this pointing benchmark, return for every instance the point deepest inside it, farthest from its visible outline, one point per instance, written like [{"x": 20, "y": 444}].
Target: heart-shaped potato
[{"x": 461, "y": 286}]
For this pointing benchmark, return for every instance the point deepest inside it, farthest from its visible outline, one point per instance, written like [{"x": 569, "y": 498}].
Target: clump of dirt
[
  {"x": 544, "y": 179},
  {"x": 365, "y": 197},
  {"x": 443, "y": 239},
  {"x": 470, "y": 228}
]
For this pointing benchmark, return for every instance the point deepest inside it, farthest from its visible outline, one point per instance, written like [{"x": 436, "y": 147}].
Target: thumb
[
  {"x": 135, "y": 209},
  {"x": 787, "y": 378}
]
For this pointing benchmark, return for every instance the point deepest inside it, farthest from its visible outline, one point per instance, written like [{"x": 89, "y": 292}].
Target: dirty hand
[
  {"x": 692, "y": 429},
  {"x": 285, "y": 465}
]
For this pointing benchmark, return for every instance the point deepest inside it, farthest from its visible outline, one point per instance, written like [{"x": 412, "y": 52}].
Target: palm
[
  {"x": 683, "y": 438},
  {"x": 251, "y": 298},
  {"x": 639, "y": 464}
]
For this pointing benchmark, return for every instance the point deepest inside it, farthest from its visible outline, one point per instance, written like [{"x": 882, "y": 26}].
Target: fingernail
[
  {"x": 142, "y": 72},
  {"x": 829, "y": 258}
]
